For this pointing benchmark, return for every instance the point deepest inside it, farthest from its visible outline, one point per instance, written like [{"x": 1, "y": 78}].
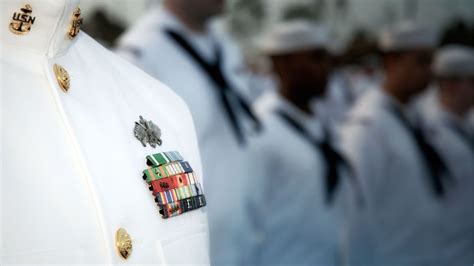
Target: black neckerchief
[
  {"x": 226, "y": 92},
  {"x": 333, "y": 159},
  {"x": 432, "y": 159}
]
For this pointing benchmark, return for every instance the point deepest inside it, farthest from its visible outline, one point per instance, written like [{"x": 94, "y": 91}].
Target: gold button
[
  {"x": 62, "y": 77},
  {"x": 123, "y": 243}
]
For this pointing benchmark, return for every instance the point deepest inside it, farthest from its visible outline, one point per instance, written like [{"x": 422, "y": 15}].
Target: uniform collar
[
  {"x": 205, "y": 42},
  {"x": 387, "y": 101},
  {"x": 49, "y": 32},
  {"x": 272, "y": 102},
  {"x": 170, "y": 21}
]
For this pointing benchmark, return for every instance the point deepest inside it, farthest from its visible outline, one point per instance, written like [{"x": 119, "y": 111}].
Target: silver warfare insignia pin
[{"x": 147, "y": 133}]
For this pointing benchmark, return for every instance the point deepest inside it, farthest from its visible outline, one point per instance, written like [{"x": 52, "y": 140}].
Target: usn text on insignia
[
  {"x": 147, "y": 133},
  {"x": 22, "y": 21}
]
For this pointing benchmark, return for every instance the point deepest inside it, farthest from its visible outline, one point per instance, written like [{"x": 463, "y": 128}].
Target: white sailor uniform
[
  {"x": 292, "y": 211},
  {"x": 401, "y": 219}
]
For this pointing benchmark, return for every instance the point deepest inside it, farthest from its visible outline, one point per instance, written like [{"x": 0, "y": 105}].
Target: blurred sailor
[
  {"x": 445, "y": 111},
  {"x": 292, "y": 193},
  {"x": 175, "y": 43},
  {"x": 79, "y": 127},
  {"x": 404, "y": 181}
]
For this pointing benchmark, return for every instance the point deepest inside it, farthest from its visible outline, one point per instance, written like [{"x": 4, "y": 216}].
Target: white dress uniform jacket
[
  {"x": 72, "y": 168},
  {"x": 147, "y": 45},
  {"x": 289, "y": 221},
  {"x": 401, "y": 221}
]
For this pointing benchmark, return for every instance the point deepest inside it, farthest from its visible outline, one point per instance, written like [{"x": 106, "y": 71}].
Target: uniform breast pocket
[{"x": 188, "y": 246}]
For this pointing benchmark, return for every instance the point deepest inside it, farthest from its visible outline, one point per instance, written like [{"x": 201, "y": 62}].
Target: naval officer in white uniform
[
  {"x": 445, "y": 112},
  {"x": 405, "y": 183},
  {"x": 293, "y": 195},
  {"x": 175, "y": 43},
  {"x": 72, "y": 186}
]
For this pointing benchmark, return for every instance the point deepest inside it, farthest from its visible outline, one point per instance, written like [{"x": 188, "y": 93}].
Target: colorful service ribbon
[{"x": 173, "y": 183}]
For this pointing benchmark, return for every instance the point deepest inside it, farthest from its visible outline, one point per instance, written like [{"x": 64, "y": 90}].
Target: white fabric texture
[{"x": 72, "y": 166}]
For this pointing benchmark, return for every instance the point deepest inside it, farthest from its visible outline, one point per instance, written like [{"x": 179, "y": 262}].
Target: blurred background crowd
[
  {"x": 246, "y": 19},
  {"x": 332, "y": 132}
]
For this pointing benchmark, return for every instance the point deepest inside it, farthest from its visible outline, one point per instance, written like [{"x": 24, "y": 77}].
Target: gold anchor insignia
[
  {"x": 123, "y": 243},
  {"x": 62, "y": 77},
  {"x": 76, "y": 24},
  {"x": 22, "y": 21}
]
